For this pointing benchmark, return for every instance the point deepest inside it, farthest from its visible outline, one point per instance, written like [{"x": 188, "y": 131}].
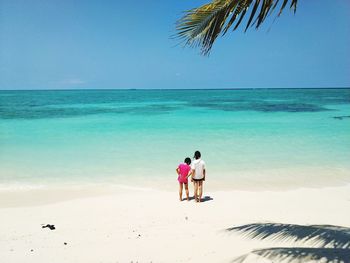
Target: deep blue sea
[{"x": 249, "y": 138}]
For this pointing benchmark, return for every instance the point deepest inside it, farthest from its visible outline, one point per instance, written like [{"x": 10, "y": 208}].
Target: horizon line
[{"x": 104, "y": 89}]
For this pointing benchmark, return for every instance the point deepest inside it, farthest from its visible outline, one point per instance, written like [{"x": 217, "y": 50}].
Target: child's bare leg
[
  {"x": 194, "y": 186},
  {"x": 187, "y": 193},
  {"x": 196, "y": 191},
  {"x": 180, "y": 190},
  {"x": 200, "y": 187}
]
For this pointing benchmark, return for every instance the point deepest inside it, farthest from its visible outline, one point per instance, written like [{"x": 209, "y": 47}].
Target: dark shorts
[{"x": 198, "y": 180}]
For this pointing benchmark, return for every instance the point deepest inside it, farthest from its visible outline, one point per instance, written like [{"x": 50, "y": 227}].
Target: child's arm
[
  {"x": 178, "y": 170},
  {"x": 189, "y": 173}
]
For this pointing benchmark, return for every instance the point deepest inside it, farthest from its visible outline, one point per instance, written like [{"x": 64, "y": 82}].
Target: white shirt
[{"x": 198, "y": 166}]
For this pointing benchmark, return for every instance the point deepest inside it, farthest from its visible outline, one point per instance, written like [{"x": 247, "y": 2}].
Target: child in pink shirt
[{"x": 183, "y": 171}]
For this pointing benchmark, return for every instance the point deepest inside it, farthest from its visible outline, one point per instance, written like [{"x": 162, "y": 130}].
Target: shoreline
[
  {"x": 57, "y": 193},
  {"x": 34, "y": 193}
]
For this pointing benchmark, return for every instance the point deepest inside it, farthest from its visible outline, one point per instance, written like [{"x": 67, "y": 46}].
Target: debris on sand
[{"x": 52, "y": 227}]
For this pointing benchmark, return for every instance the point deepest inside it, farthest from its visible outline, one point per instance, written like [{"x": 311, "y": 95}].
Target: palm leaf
[
  {"x": 201, "y": 26},
  {"x": 299, "y": 255},
  {"x": 321, "y": 235}
]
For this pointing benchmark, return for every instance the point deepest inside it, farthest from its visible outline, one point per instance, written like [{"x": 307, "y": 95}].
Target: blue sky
[{"x": 126, "y": 44}]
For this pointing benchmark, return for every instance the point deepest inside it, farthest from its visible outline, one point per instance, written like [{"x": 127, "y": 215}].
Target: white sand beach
[{"x": 145, "y": 225}]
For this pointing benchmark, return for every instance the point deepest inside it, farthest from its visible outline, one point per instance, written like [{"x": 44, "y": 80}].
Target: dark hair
[
  {"x": 188, "y": 160},
  {"x": 197, "y": 155}
]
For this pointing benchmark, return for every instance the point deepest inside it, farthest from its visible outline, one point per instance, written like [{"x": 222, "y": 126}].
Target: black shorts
[{"x": 198, "y": 180}]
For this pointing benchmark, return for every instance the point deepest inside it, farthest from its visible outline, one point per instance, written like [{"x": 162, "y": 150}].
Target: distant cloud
[
  {"x": 68, "y": 83},
  {"x": 72, "y": 81}
]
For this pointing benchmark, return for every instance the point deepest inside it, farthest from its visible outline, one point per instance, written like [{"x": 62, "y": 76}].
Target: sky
[{"x": 46, "y": 44}]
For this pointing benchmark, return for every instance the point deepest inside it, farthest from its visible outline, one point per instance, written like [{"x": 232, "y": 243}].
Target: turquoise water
[{"x": 260, "y": 138}]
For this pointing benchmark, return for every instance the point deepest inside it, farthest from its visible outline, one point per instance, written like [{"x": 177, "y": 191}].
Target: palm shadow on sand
[{"x": 328, "y": 243}]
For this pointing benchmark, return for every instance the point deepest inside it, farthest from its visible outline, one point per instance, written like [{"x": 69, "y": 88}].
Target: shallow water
[{"x": 261, "y": 138}]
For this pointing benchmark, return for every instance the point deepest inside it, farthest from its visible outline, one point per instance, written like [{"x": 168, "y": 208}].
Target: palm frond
[
  {"x": 299, "y": 255},
  {"x": 201, "y": 26},
  {"x": 320, "y": 235}
]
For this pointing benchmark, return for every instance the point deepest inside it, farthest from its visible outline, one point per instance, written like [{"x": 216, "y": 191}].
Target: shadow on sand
[
  {"x": 204, "y": 199},
  {"x": 329, "y": 243}
]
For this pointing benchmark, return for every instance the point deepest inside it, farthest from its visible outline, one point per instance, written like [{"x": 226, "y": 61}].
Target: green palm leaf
[{"x": 201, "y": 26}]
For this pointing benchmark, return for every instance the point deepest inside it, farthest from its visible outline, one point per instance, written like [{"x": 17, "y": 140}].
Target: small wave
[{"x": 19, "y": 187}]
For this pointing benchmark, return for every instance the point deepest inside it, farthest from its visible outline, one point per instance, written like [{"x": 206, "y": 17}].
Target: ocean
[{"x": 249, "y": 138}]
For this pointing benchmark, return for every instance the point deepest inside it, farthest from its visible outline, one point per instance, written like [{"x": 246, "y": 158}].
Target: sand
[{"x": 146, "y": 225}]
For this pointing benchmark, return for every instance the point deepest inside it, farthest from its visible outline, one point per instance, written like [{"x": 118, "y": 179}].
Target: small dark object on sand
[
  {"x": 65, "y": 243},
  {"x": 31, "y": 250},
  {"x": 52, "y": 227},
  {"x": 186, "y": 218}
]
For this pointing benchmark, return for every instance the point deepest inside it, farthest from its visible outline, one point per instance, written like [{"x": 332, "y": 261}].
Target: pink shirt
[{"x": 184, "y": 170}]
